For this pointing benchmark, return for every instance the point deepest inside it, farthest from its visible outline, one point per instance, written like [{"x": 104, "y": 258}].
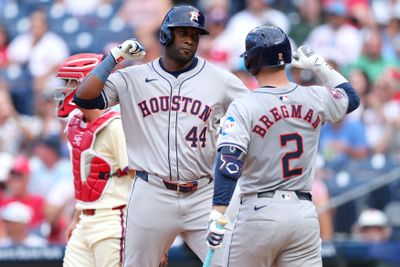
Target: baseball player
[
  {"x": 170, "y": 110},
  {"x": 99, "y": 157},
  {"x": 269, "y": 139}
]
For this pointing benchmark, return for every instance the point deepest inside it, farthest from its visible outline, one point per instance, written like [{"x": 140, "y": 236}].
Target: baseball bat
[{"x": 221, "y": 222}]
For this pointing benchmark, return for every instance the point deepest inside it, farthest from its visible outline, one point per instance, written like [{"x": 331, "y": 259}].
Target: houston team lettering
[
  {"x": 282, "y": 112},
  {"x": 178, "y": 103}
]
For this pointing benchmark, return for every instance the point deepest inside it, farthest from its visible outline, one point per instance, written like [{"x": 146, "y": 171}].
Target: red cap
[{"x": 21, "y": 165}]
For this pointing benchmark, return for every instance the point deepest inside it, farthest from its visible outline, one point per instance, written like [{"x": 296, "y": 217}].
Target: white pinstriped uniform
[{"x": 97, "y": 240}]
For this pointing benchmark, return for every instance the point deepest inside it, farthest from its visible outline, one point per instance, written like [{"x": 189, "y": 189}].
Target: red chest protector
[{"x": 91, "y": 171}]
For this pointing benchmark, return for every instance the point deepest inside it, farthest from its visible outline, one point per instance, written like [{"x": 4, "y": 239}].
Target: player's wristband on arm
[
  {"x": 328, "y": 76},
  {"x": 354, "y": 100},
  {"x": 103, "y": 70}
]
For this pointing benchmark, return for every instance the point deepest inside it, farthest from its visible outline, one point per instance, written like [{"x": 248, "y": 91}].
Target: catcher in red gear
[{"x": 99, "y": 161}]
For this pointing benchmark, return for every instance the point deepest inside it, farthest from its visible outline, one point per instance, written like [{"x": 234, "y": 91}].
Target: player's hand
[
  {"x": 216, "y": 229},
  {"x": 164, "y": 261},
  {"x": 130, "y": 49},
  {"x": 70, "y": 229},
  {"x": 305, "y": 58}
]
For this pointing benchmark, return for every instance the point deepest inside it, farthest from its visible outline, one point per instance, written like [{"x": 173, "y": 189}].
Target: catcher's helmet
[
  {"x": 266, "y": 46},
  {"x": 72, "y": 71},
  {"x": 181, "y": 16}
]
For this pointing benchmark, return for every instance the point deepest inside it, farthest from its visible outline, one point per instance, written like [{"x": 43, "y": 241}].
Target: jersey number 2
[
  {"x": 294, "y": 154},
  {"x": 192, "y": 137}
]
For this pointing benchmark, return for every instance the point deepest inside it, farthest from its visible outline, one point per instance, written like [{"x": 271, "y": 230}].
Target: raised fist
[
  {"x": 305, "y": 58},
  {"x": 129, "y": 49}
]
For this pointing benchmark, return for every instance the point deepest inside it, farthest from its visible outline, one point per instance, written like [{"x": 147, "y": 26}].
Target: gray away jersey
[
  {"x": 278, "y": 129},
  {"x": 170, "y": 123}
]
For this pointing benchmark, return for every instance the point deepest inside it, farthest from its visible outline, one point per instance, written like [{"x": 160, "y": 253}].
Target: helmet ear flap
[
  {"x": 266, "y": 46},
  {"x": 165, "y": 35},
  {"x": 250, "y": 62}
]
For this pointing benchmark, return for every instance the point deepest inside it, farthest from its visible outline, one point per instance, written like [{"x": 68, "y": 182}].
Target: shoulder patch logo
[
  {"x": 228, "y": 125},
  {"x": 336, "y": 93}
]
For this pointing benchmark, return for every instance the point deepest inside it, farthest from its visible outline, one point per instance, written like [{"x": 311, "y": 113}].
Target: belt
[
  {"x": 187, "y": 187},
  {"x": 91, "y": 212},
  {"x": 181, "y": 188},
  {"x": 300, "y": 195}
]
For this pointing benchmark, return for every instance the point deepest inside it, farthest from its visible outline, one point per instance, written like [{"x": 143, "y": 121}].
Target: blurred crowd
[{"x": 360, "y": 38}]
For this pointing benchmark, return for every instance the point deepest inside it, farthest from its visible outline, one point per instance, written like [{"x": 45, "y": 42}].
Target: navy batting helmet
[
  {"x": 181, "y": 16},
  {"x": 266, "y": 46}
]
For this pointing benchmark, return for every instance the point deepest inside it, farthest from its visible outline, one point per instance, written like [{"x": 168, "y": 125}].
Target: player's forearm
[
  {"x": 223, "y": 189},
  {"x": 90, "y": 88},
  {"x": 93, "y": 84},
  {"x": 331, "y": 78}
]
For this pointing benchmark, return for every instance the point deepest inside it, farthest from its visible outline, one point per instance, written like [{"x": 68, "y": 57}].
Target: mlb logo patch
[
  {"x": 228, "y": 126},
  {"x": 286, "y": 196},
  {"x": 284, "y": 98},
  {"x": 336, "y": 93}
]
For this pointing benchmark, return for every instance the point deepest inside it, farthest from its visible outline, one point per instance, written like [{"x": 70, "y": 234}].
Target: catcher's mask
[
  {"x": 72, "y": 71},
  {"x": 181, "y": 16}
]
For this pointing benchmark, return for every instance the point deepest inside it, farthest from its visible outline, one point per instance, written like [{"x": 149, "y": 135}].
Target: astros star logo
[{"x": 194, "y": 16}]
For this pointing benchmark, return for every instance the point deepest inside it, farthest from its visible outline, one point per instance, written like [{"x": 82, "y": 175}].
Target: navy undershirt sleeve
[
  {"x": 223, "y": 188},
  {"x": 354, "y": 100},
  {"x": 95, "y": 103}
]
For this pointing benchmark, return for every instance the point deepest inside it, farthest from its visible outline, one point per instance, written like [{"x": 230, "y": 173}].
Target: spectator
[
  {"x": 341, "y": 142},
  {"x": 372, "y": 226},
  {"x": 256, "y": 13},
  {"x": 17, "y": 190},
  {"x": 371, "y": 60},
  {"x": 48, "y": 167},
  {"x": 391, "y": 34},
  {"x": 16, "y": 217},
  {"x": 321, "y": 199},
  {"x": 14, "y": 131},
  {"x": 40, "y": 49},
  {"x": 360, "y": 13},
  {"x": 337, "y": 39},
  {"x": 362, "y": 85},
  {"x": 6, "y": 161},
  {"x": 382, "y": 118},
  {"x": 217, "y": 18},
  {"x": 82, "y": 8},
  {"x": 144, "y": 15},
  {"x": 48, "y": 124},
  {"x": 51, "y": 178},
  {"x": 4, "y": 40},
  {"x": 309, "y": 12}
]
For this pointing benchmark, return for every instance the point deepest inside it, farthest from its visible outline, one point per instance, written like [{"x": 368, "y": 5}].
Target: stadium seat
[{"x": 392, "y": 211}]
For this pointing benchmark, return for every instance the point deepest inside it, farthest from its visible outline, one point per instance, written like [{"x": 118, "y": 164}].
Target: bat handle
[{"x": 220, "y": 223}]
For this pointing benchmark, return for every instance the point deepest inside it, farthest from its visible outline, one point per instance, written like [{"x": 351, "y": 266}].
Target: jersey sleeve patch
[
  {"x": 228, "y": 125},
  {"x": 336, "y": 93}
]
